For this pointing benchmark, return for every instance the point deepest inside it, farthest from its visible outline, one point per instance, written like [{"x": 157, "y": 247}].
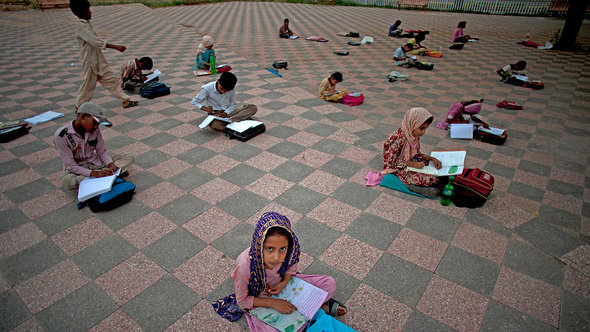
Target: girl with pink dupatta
[{"x": 402, "y": 150}]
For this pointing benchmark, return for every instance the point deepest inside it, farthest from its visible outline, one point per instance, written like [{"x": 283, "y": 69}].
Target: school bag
[
  {"x": 457, "y": 46},
  {"x": 353, "y": 34},
  {"x": 278, "y": 64},
  {"x": 13, "y": 131},
  {"x": 354, "y": 44},
  {"x": 509, "y": 105},
  {"x": 121, "y": 193},
  {"x": 257, "y": 129},
  {"x": 341, "y": 53},
  {"x": 535, "y": 85},
  {"x": 423, "y": 65},
  {"x": 353, "y": 99},
  {"x": 223, "y": 69},
  {"x": 322, "y": 322},
  {"x": 473, "y": 187},
  {"x": 489, "y": 137},
  {"x": 397, "y": 76},
  {"x": 154, "y": 90}
]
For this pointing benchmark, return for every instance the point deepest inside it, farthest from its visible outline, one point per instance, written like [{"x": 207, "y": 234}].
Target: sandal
[
  {"x": 333, "y": 307},
  {"x": 132, "y": 103}
]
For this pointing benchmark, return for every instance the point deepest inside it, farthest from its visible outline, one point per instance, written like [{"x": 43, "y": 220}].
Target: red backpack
[
  {"x": 353, "y": 98},
  {"x": 472, "y": 188}
]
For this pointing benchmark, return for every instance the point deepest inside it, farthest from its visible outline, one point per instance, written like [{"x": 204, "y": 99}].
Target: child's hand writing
[
  {"x": 436, "y": 162},
  {"x": 283, "y": 306}
]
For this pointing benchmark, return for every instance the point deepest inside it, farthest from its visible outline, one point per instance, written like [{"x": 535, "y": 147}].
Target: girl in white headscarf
[{"x": 204, "y": 52}]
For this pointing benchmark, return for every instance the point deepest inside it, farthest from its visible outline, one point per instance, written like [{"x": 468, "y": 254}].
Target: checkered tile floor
[{"x": 521, "y": 262}]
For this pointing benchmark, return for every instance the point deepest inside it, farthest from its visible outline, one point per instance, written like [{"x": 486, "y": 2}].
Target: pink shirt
[
  {"x": 241, "y": 276},
  {"x": 76, "y": 151},
  {"x": 458, "y": 33}
]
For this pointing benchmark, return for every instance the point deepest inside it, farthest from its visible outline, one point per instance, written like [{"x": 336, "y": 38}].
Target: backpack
[
  {"x": 223, "y": 69},
  {"x": 535, "y": 85},
  {"x": 354, "y": 44},
  {"x": 8, "y": 133},
  {"x": 341, "y": 53},
  {"x": 423, "y": 65},
  {"x": 154, "y": 89},
  {"x": 489, "y": 138},
  {"x": 397, "y": 76},
  {"x": 246, "y": 134},
  {"x": 278, "y": 64},
  {"x": 472, "y": 188},
  {"x": 457, "y": 46},
  {"x": 353, "y": 34},
  {"x": 353, "y": 99},
  {"x": 509, "y": 105},
  {"x": 121, "y": 193}
]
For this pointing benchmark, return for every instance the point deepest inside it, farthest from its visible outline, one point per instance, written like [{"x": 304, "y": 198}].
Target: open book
[
  {"x": 90, "y": 187},
  {"x": 452, "y": 163},
  {"x": 153, "y": 75},
  {"x": 210, "y": 119},
  {"x": 303, "y": 295}
]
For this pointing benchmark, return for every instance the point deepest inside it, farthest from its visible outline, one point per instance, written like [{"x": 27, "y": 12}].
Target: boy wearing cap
[
  {"x": 220, "y": 98},
  {"x": 82, "y": 148}
]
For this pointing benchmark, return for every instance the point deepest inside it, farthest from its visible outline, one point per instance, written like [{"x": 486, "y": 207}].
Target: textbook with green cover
[{"x": 306, "y": 297}]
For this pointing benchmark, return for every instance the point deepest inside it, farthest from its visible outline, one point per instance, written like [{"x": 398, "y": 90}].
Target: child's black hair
[
  {"x": 228, "y": 80},
  {"x": 429, "y": 120},
  {"x": 396, "y": 24},
  {"x": 337, "y": 75},
  {"x": 286, "y": 20},
  {"x": 410, "y": 45},
  {"x": 147, "y": 62},
  {"x": 520, "y": 65},
  {"x": 80, "y": 8},
  {"x": 462, "y": 24}
]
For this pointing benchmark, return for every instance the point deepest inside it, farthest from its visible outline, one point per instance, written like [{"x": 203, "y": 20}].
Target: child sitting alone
[
  {"x": 459, "y": 36},
  {"x": 284, "y": 31},
  {"x": 395, "y": 30},
  {"x": 132, "y": 77},
  {"x": 402, "y": 150},
  {"x": 459, "y": 109},
  {"x": 204, "y": 53},
  {"x": 400, "y": 58},
  {"x": 416, "y": 46},
  {"x": 265, "y": 268},
  {"x": 328, "y": 90}
]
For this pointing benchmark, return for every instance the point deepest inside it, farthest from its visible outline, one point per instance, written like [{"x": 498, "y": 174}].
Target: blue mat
[
  {"x": 274, "y": 72},
  {"x": 393, "y": 182}
]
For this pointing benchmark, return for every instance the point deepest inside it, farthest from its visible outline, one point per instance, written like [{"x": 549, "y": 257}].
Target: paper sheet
[
  {"x": 153, "y": 75},
  {"x": 242, "y": 126},
  {"x": 90, "y": 187},
  {"x": 210, "y": 119},
  {"x": 521, "y": 78},
  {"x": 44, "y": 117},
  {"x": 293, "y": 37},
  {"x": 305, "y": 296},
  {"x": 492, "y": 130},
  {"x": 452, "y": 163},
  {"x": 462, "y": 130}
]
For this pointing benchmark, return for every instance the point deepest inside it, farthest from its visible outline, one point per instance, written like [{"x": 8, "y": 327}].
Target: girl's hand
[
  {"x": 386, "y": 171},
  {"x": 415, "y": 164},
  {"x": 283, "y": 306},
  {"x": 278, "y": 288},
  {"x": 436, "y": 162}
]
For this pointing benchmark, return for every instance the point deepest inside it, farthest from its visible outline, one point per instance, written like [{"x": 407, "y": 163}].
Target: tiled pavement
[{"x": 521, "y": 262}]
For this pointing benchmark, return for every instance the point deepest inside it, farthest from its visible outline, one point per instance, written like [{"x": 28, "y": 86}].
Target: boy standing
[
  {"x": 132, "y": 78},
  {"x": 82, "y": 148},
  {"x": 220, "y": 98},
  {"x": 284, "y": 31},
  {"x": 95, "y": 66}
]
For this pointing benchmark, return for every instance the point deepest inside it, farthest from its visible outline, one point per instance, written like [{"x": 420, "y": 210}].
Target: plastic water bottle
[
  {"x": 212, "y": 63},
  {"x": 447, "y": 192}
]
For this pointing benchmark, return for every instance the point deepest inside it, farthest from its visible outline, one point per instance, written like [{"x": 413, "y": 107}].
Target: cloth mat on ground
[{"x": 393, "y": 182}]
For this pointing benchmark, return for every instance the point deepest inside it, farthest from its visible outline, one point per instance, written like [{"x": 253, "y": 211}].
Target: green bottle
[
  {"x": 212, "y": 63},
  {"x": 445, "y": 198}
]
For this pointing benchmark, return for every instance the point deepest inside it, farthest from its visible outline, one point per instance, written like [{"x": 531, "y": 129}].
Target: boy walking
[
  {"x": 95, "y": 66},
  {"x": 82, "y": 149},
  {"x": 220, "y": 98}
]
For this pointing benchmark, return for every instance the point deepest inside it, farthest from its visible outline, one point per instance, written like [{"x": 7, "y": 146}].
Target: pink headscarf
[
  {"x": 206, "y": 42},
  {"x": 413, "y": 119}
]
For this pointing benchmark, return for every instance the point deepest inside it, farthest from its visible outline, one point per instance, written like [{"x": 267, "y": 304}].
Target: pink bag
[{"x": 353, "y": 98}]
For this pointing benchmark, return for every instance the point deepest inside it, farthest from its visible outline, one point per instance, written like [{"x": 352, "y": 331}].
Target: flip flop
[
  {"x": 132, "y": 103},
  {"x": 333, "y": 307}
]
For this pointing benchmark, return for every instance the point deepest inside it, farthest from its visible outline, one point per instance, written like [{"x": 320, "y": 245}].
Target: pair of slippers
[{"x": 132, "y": 103}]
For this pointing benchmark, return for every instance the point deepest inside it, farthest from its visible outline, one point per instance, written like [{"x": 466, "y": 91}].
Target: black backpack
[
  {"x": 278, "y": 64},
  {"x": 341, "y": 53},
  {"x": 423, "y": 65},
  {"x": 353, "y": 34},
  {"x": 121, "y": 193},
  {"x": 154, "y": 89}
]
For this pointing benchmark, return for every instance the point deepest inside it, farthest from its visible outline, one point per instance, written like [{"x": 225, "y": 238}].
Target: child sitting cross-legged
[
  {"x": 402, "y": 150},
  {"x": 264, "y": 270},
  {"x": 204, "y": 53},
  {"x": 328, "y": 90},
  {"x": 132, "y": 77}
]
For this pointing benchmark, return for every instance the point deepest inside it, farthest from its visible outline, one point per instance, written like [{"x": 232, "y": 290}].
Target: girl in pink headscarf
[
  {"x": 204, "y": 52},
  {"x": 402, "y": 149}
]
